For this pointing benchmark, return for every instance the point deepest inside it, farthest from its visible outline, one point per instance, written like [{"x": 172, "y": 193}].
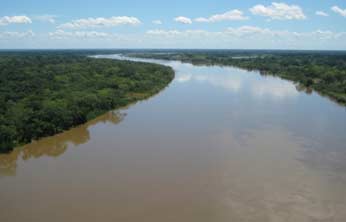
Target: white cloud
[
  {"x": 339, "y": 11},
  {"x": 253, "y": 31},
  {"x": 183, "y": 20},
  {"x": 161, "y": 32},
  {"x": 100, "y": 22},
  {"x": 227, "y": 16},
  {"x": 321, "y": 13},
  {"x": 279, "y": 11},
  {"x": 61, "y": 34},
  {"x": 179, "y": 34},
  {"x": 157, "y": 22},
  {"x": 19, "y": 19},
  {"x": 229, "y": 33},
  {"x": 324, "y": 35},
  {"x": 11, "y": 35},
  {"x": 247, "y": 31},
  {"x": 244, "y": 32},
  {"x": 201, "y": 19},
  {"x": 247, "y": 37},
  {"x": 45, "y": 18}
]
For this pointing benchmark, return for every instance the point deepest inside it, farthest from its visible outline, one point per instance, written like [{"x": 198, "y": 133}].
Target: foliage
[
  {"x": 323, "y": 71},
  {"x": 42, "y": 94}
]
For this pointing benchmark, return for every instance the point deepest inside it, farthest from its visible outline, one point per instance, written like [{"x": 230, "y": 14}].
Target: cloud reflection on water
[{"x": 235, "y": 80}]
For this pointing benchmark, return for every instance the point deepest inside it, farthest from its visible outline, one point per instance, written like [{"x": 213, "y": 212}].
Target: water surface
[{"x": 219, "y": 144}]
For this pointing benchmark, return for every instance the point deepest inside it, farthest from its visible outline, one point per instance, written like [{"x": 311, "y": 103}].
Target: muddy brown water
[{"x": 219, "y": 144}]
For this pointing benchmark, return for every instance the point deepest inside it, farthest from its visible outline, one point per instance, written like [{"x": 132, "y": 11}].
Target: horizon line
[{"x": 197, "y": 49}]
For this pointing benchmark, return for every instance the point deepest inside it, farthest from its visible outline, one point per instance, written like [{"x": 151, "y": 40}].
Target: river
[{"x": 219, "y": 144}]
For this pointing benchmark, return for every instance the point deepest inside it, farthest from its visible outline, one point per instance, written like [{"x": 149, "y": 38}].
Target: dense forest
[
  {"x": 42, "y": 94},
  {"x": 46, "y": 92},
  {"x": 324, "y": 72}
]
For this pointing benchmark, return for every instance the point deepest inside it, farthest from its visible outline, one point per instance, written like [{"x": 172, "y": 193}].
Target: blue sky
[{"x": 225, "y": 24}]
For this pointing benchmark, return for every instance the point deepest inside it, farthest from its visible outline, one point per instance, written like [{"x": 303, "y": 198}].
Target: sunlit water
[{"x": 219, "y": 144}]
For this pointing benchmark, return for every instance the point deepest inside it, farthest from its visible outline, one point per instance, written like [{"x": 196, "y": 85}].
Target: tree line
[
  {"x": 323, "y": 71},
  {"x": 42, "y": 94}
]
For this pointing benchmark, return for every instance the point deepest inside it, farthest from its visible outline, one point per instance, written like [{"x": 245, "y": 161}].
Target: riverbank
[
  {"x": 188, "y": 149},
  {"x": 43, "y": 94},
  {"x": 323, "y": 72}
]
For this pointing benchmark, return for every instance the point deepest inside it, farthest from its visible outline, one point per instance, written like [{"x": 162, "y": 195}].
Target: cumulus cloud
[
  {"x": 249, "y": 33},
  {"x": 321, "y": 13},
  {"x": 339, "y": 11},
  {"x": 19, "y": 19},
  {"x": 16, "y": 35},
  {"x": 61, "y": 34},
  {"x": 45, "y": 18},
  {"x": 100, "y": 22},
  {"x": 179, "y": 34},
  {"x": 161, "y": 32},
  {"x": 227, "y": 16},
  {"x": 157, "y": 22},
  {"x": 279, "y": 11},
  {"x": 325, "y": 34},
  {"x": 183, "y": 20},
  {"x": 243, "y": 32}
]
